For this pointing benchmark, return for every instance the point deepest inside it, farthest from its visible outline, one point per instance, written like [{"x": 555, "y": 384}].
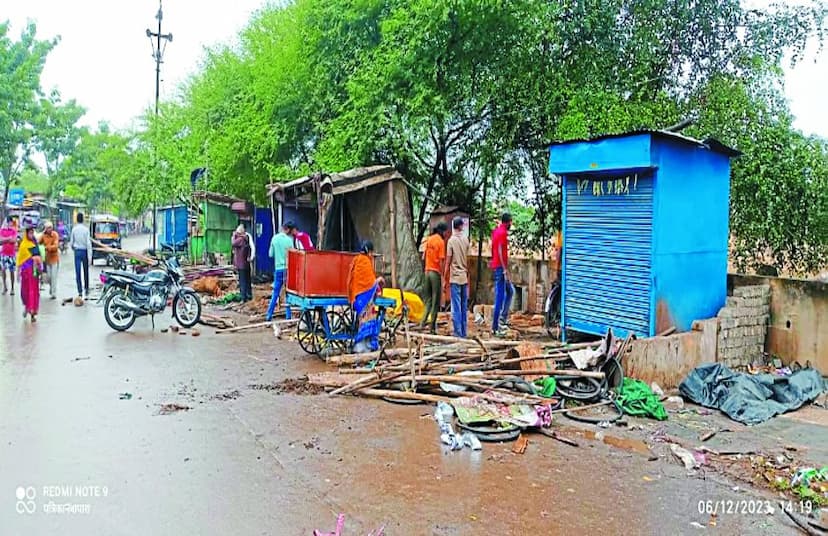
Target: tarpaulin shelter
[{"x": 340, "y": 210}]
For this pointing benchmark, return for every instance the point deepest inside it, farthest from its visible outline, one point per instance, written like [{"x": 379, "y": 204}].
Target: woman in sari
[
  {"x": 29, "y": 265},
  {"x": 363, "y": 285}
]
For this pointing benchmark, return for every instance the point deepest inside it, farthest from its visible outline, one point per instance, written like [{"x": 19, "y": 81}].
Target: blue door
[
  {"x": 262, "y": 234},
  {"x": 608, "y": 227}
]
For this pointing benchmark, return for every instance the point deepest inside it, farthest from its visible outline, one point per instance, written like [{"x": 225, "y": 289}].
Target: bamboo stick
[
  {"x": 579, "y": 408},
  {"x": 259, "y": 325},
  {"x": 363, "y": 383},
  {"x": 541, "y": 372},
  {"x": 458, "y": 340},
  {"x": 405, "y": 395}
]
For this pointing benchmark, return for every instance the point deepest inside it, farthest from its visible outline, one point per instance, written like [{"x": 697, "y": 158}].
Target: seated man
[{"x": 363, "y": 285}]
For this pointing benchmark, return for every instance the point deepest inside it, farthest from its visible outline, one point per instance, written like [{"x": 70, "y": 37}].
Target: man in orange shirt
[
  {"x": 51, "y": 243},
  {"x": 435, "y": 258}
]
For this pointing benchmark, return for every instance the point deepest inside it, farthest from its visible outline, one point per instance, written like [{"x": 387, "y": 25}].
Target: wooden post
[{"x": 393, "y": 221}]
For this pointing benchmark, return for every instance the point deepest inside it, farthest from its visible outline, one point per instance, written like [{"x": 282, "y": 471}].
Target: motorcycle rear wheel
[{"x": 118, "y": 318}]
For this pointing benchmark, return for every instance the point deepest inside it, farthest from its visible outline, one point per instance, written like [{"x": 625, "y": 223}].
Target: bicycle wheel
[
  {"x": 337, "y": 334},
  {"x": 309, "y": 332}
]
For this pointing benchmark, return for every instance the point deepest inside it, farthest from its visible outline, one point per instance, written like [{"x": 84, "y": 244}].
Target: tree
[
  {"x": 57, "y": 134},
  {"x": 21, "y": 64},
  {"x": 462, "y": 96},
  {"x": 99, "y": 162},
  {"x": 779, "y": 206}
]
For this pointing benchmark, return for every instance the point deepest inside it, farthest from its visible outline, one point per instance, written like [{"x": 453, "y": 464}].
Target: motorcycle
[{"x": 127, "y": 295}]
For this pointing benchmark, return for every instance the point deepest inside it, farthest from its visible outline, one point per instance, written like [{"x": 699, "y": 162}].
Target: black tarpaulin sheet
[{"x": 747, "y": 398}]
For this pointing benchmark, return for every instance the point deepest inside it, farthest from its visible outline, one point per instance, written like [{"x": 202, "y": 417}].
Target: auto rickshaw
[{"x": 106, "y": 230}]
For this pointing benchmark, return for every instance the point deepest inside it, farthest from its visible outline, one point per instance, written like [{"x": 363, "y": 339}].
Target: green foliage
[
  {"x": 21, "y": 64},
  {"x": 34, "y": 181},
  {"x": 463, "y": 95},
  {"x": 779, "y": 206},
  {"x": 99, "y": 162}
]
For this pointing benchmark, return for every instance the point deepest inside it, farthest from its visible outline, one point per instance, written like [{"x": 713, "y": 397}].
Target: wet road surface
[{"x": 248, "y": 461}]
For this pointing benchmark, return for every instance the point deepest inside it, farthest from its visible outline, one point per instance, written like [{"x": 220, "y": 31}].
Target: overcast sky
[{"x": 104, "y": 59}]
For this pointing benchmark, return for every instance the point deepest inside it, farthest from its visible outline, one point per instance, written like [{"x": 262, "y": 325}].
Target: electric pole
[{"x": 158, "y": 56}]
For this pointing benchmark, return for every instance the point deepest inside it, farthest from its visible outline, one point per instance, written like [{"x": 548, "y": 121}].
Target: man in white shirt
[{"x": 81, "y": 243}]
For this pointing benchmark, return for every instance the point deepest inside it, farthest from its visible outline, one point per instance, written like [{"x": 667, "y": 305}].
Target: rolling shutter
[{"x": 608, "y": 254}]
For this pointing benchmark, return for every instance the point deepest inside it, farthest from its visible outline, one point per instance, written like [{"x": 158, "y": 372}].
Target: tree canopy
[{"x": 465, "y": 95}]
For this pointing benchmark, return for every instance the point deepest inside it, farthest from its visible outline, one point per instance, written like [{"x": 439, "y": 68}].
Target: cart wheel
[
  {"x": 310, "y": 332},
  {"x": 338, "y": 329},
  {"x": 388, "y": 334}
]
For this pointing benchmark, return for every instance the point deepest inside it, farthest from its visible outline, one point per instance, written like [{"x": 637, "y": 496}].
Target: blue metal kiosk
[{"x": 645, "y": 226}]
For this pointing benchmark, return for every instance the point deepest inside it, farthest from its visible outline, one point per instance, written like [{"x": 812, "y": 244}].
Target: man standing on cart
[{"x": 279, "y": 246}]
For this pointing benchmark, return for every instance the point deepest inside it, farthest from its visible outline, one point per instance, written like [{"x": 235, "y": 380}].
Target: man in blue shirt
[{"x": 279, "y": 246}]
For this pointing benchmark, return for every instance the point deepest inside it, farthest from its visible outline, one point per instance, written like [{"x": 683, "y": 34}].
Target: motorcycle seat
[{"x": 127, "y": 275}]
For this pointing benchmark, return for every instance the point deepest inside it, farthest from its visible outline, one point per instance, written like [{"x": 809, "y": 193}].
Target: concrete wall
[
  {"x": 667, "y": 360},
  {"x": 531, "y": 278},
  {"x": 798, "y": 329}
]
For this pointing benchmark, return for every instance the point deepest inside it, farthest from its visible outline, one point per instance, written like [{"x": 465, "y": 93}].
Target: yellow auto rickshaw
[{"x": 105, "y": 229}]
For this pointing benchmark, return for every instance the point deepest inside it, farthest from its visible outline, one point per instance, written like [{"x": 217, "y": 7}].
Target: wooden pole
[
  {"x": 393, "y": 218},
  {"x": 258, "y": 325},
  {"x": 458, "y": 340},
  {"x": 542, "y": 372},
  {"x": 403, "y": 395},
  {"x": 363, "y": 383}
]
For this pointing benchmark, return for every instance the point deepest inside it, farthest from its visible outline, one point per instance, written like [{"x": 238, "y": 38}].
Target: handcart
[{"x": 316, "y": 285}]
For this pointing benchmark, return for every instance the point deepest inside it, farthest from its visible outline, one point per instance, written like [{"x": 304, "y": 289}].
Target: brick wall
[{"x": 743, "y": 325}]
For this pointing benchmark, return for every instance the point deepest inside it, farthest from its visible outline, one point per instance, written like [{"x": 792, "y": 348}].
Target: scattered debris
[
  {"x": 230, "y": 395},
  {"x": 340, "y": 525},
  {"x": 221, "y": 322},
  {"x": 125, "y": 396},
  {"x": 684, "y": 456},
  {"x": 83, "y": 358},
  {"x": 298, "y": 386},
  {"x": 167, "y": 409},
  {"x": 520, "y": 445},
  {"x": 555, "y": 435},
  {"x": 195, "y": 333}
]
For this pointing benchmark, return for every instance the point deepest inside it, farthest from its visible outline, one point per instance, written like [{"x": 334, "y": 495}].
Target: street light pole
[{"x": 158, "y": 56}]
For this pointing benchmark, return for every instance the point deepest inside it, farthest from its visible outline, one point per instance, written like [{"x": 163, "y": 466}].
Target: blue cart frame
[{"x": 327, "y": 323}]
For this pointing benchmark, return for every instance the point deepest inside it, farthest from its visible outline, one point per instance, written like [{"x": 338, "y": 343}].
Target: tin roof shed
[{"x": 645, "y": 226}]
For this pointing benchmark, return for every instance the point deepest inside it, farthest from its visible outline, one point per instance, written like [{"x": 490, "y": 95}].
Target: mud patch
[
  {"x": 167, "y": 409},
  {"x": 223, "y": 397},
  {"x": 296, "y": 386}
]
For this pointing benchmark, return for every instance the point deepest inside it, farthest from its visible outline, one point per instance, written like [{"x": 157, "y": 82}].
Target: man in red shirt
[
  {"x": 302, "y": 240},
  {"x": 502, "y": 278}
]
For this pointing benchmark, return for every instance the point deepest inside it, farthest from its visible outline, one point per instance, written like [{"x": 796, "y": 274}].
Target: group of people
[
  {"x": 244, "y": 253},
  {"x": 446, "y": 269},
  {"x": 31, "y": 259}
]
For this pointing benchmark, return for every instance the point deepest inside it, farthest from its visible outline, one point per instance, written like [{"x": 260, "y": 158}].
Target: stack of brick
[{"x": 743, "y": 326}]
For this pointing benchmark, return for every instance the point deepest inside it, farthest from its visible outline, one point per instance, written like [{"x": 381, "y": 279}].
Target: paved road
[{"x": 247, "y": 461}]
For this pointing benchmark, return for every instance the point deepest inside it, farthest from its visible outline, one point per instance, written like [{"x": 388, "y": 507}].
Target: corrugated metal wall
[
  {"x": 172, "y": 223},
  {"x": 219, "y": 224},
  {"x": 608, "y": 254}
]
